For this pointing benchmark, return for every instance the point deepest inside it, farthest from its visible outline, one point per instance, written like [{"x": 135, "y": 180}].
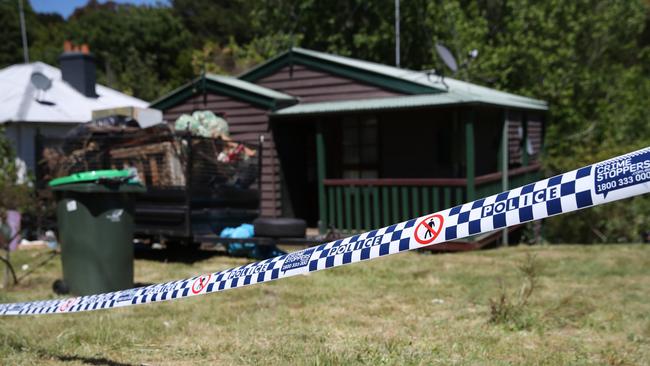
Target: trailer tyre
[
  {"x": 282, "y": 227},
  {"x": 60, "y": 288}
]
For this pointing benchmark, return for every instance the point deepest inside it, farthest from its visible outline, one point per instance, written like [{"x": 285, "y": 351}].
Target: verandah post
[
  {"x": 524, "y": 126},
  {"x": 320, "y": 171},
  {"x": 469, "y": 154},
  {"x": 503, "y": 165}
]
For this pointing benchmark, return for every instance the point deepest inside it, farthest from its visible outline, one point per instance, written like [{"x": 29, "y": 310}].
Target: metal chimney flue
[{"x": 78, "y": 68}]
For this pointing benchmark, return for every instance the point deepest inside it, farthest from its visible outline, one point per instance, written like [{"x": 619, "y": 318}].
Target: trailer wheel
[
  {"x": 281, "y": 227},
  {"x": 60, "y": 288}
]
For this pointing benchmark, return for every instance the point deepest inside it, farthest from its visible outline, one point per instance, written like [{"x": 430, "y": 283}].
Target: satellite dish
[
  {"x": 40, "y": 81},
  {"x": 447, "y": 57}
]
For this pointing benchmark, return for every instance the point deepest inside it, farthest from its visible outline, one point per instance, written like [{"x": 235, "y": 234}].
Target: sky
[{"x": 66, "y": 7}]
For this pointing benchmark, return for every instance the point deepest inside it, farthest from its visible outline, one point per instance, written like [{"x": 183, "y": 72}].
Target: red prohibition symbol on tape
[
  {"x": 200, "y": 283},
  {"x": 66, "y": 305},
  {"x": 428, "y": 229}
]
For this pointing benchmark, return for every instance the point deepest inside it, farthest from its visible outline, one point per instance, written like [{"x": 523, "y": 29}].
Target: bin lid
[{"x": 97, "y": 178}]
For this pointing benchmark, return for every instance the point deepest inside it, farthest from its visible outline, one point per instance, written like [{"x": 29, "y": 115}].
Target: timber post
[
  {"x": 320, "y": 170},
  {"x": 469, "y": 155}
]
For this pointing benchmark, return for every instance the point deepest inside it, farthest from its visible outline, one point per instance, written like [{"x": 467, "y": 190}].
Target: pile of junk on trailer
[{"x": 201, "y": 186}]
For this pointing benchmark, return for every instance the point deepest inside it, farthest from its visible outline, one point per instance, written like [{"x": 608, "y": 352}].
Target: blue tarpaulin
[{"x": 250, "y": 250}]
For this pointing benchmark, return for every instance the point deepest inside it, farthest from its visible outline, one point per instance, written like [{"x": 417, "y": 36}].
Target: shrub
[
  {"x": 510, "y": 308},
  {"x": 14, "y": 195}
]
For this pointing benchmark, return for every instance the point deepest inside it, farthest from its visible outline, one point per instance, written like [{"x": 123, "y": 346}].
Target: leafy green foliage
[
  {"x": 216, "y": 21},
  {"x": 44, "y": 36},
  {"x": 233, "y": 59},
  {"x": 11, "y": 50},
  {"x": 136, "y": 46},
  {"x": 13, "y": 196}
]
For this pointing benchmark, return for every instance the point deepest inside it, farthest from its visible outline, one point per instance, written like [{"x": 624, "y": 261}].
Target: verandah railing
[
  {"x": 363, "y": 204},
  {"x": 489, "y": 184}
]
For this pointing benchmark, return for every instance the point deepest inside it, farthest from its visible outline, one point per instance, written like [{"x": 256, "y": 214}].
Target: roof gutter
[{"x": 286, "y": 116}]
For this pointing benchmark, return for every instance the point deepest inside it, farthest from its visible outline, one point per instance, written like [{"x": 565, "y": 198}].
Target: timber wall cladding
[
  {"x": 313, "y": 86},
  {"x": 517, "y": 134},
  {"x": 515, "y": 138},
  {"x": 246, "y": 123},
  {"x": 535, "y": 129}
]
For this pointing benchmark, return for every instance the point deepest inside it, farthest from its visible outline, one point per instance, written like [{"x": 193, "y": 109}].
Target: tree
[
  {"x": 233, "y": 59},
  {"x": 48, "y": 36},
  {"x": 137, "y": 47},
  {"x": 13, "y": 195},
  {"x": 10, "y": 39},
  {"x": 591, "y": 67},
  {"x": 216, "y": 21}
]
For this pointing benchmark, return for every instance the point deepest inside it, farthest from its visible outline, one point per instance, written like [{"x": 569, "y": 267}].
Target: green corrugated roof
[
  {"x": 406, "y": 102},
  {"x": 387, "y": 70},
  {"x": 387, "y": 77},
  {"x": 468, "y": 90},
  {"x": 226, "y": 85},
  {"x": 427, "y": 89},
  {"x": 245, "y": 85},
  {"x": 442, "y": 91},
  {"x": 368, "y": 104},
  {"x": 491, "y": 96}
]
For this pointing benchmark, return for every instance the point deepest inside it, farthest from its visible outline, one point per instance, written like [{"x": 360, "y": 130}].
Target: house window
[{"x": 360, "y": 148}]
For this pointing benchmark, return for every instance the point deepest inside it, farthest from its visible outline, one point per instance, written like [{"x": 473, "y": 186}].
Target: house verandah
[{"x": 378, "y": 163}]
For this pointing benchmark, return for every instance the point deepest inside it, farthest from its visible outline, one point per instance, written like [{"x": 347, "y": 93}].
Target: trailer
[{"x": 196, "y": 186}]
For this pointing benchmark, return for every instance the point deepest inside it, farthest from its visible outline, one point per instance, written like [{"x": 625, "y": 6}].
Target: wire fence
[{"x": 161, "y": 158}]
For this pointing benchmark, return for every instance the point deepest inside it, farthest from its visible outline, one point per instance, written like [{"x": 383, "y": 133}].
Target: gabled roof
[
  {"x": 426, "y": 89},
  {"x": 429, "y": 89},
  {"x": 61, "y": 103},
  {"x": 389, "y": 77},
  {"x": 233, "y": 87}
]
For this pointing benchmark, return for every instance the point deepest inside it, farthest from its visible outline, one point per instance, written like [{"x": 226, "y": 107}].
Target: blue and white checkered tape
[{"x": 618, "y": 178}]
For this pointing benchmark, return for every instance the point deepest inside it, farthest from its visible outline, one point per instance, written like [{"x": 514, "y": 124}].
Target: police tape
[{"x": 611, "y": 180}]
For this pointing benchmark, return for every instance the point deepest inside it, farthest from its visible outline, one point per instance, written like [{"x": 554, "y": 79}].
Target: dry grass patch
[{"x": 590, "y": 305}]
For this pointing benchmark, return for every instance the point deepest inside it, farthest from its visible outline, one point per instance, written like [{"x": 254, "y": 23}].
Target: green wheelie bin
[{"x": 95, "y": 218}]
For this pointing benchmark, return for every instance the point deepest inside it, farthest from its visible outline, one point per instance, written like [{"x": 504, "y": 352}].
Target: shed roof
[
  {"x": 233, "y": 87},
  {"x": 63, "y": 103}
]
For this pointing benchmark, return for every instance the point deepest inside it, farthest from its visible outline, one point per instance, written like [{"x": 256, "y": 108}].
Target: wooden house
[{"x": 359, "y": 145}]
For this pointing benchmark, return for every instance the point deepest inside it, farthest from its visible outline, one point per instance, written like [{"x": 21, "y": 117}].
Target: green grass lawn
[{"x": 591, "y": 305}]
